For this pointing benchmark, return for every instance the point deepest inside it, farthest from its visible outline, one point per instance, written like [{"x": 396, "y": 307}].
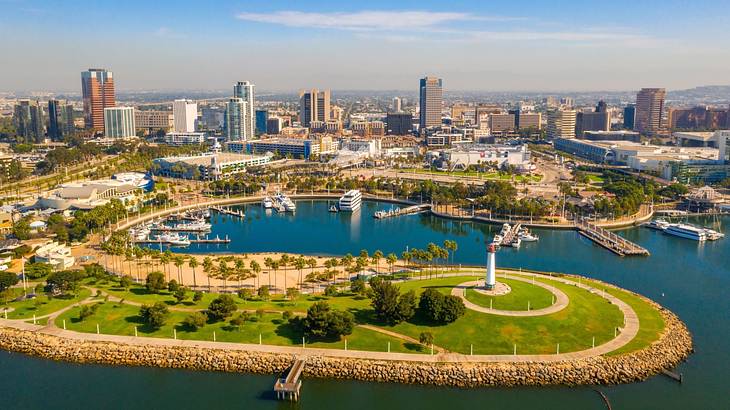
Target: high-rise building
[
  {"x": 499, "y": 123},
  {"x": 399, "y": 123},
  {"x": 185, "y": 115},
  {"x": 119, "y": 122},
  {"x": 213, "y": 117},
  {"x": 21, "y": 118},
  {"x": 153, "y": 120},
  {"x": 236, "y": 121},
  {"x": 561, "y": 123},
  {"x": 698, "y": 118},
  {"x": 430, "y": 101},
  {"x": 527, "y": 120},
  {"x": 629, "y": 116},
  {"x": 58, "y": 119},
  {"x": 245, "y": 91},
  {"x": 97, "y": 88},
  {"x": 314, "y": 105},
  {"x": 396, "y": 107},
  {"x": 598, "y": 120},
  {"x": 649, "y": 110},
  {"x": 273, "y": 125},
  {"x": 261, "y": 117},
  {"x": 29, "y": 121}
]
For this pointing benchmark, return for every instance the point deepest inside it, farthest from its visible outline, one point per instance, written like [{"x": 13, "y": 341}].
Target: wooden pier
[
  {"x": 290, "y": 386},
  {"x": 609, "y": 240},
  {"x": 227, "y": 211}
]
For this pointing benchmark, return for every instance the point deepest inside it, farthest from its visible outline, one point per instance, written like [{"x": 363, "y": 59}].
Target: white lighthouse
[{"x": 491, "y": 279}]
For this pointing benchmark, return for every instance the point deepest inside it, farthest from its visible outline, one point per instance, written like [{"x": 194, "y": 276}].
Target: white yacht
[
  {"x": 351, "y": 201},
  {"x": 497, "y": 241},
  {"x": 173, "y": 238},
  {"x": 687, "y": 231},
  {"x": 658, "y": 224},
  {"x": 527, "y": 236},
  {"x": 267, "y": 203}
]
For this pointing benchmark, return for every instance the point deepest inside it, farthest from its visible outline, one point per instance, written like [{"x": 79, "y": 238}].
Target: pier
[
  {"x": 290, "y": 386},
  {"x": 227, "y": 211},
  {"x": 610, "y": 240},
  {"x": 415, "y": 209},
  {"x": 510, "y": 235},
  {"x": 216, "y": 240},
  {"x": 161, "y": 228}
]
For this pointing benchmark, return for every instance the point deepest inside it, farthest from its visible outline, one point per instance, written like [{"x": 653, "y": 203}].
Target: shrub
[
  {"x": 263, "y": 292},
  {"x": 173, "y": 286},
  {"x": 330, "y": 290},
  {"x": 323, "y": 322},
  {"x": 426, "y": 338},
  {"x": 180, "y": 294},
  {"x": 245, "y": 293},
  {"x": 358, "y": 287},
  {"x": 195, "y": 320},
  {"x": 154, "y": 315},
  {"x": 155, "y": 282},
  {"x": 439, "y": 308},
  {"x": 221, "y": 307},
  {"x": 197, "y": 296}
]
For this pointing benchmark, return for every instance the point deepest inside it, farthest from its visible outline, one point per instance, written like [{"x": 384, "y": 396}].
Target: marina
[
  {"x": 228, "y": 211},
  {"x": 609, "y": 240}
]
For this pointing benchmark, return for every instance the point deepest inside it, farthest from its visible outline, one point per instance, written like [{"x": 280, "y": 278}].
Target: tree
[
  {"x": 88, "y": 310},
  {"x": 323, "y": 322},
  {"x": 7, "y": 280},
  {"x": 452, "y": 309},
  {"x": 193, "y": 263},
  {"x": 263, "y": 292},
  {"x": 221, "y": 307},
  {"x": 197, "y": 296},
  {"x": 21, "y": 229},
  {"x": 37, "y": 270},
  {"x": 439, "y": 308},
  {"x": 330, "y": 290},
  {"x": 389, "y": 305},
  {"x": 155, "y": 282},
  {"x": 244, "y": 293},
  {"x": 208, "y": 269},
  {"x": 407, "y": 304},
  {"x": 155, "y": 315},
  {"x": 391, "y": 259},
  {"x": 64, "y": 281},
  {"x": 195, "y": 320},
  {"x": 125, "y": 281},
  {"x": 292, "y": 293},
  {"x": 377, "y": 256},
  {"x": 425, "y": 338},
  {"x": 180, "y": 294},
  {"x": 173, "y": 286},
  {"x": 358, "y": 287}
]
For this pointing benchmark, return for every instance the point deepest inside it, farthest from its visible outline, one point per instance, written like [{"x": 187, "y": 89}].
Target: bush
[
  {"x": 195, "y": 320},
  {"x": 154, "y": 315},
  {"x": 88, "y": 310},
  {"x": 330, "y": 290},
  {"x": 425, "y": 338},
  {"x": 37, "y": 270},
  {"x": 389, "y": 305},
  {"x": 263, "y": 292},
  {"x": 155, "y": 282},
  {"x": 64, "y": 281},
  {"x": 358, "y": 287},
  {"x": 452, "y": 309},
  {"x": 7, "y": 280},
  {"x": 197, "y": 296},
  {"x": 292, "y": 293},
  {"x": 221, "y": 307},
  {"x": 180, "y": 294},
  {"x": 286, "y": 315},
  {"x": 323, "y": 322},
  {"x": 125, "y": 281},
  {"x": 173, "y": 286},
  {"x": 245, "y": 293}
]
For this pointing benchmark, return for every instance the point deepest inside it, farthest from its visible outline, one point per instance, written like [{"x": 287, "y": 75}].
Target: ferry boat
[
  {"x": 351, "y": 201},
  {"x": 658, "y": 224},
  {"x": 687, "y": 231},
  {"x": 267, "y": 203}
]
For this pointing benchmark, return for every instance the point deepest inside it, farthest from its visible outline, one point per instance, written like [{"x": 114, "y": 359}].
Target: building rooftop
[{"x": 207, "y": 159}]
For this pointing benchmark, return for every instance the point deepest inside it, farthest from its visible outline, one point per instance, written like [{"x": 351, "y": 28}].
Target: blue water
[{"x": 689, "y": 278}]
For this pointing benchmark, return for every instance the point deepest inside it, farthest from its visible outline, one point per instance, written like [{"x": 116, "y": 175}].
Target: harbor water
[{"x": 690, "y": 278}]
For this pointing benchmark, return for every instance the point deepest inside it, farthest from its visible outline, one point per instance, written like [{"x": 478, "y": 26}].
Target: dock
[
  {"x": 510, "y": 235},
  {"x": 290, "y": 386},
  {"x": 227, "y": 211},
  {"x": 609, "y": 240},
  {"x": 177, "y": 229},
  {"x": 415, "y": 209},
  {"x": 216, "y": 240}
]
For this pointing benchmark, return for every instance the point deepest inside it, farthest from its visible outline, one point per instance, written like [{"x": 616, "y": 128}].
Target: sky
[{"x": 366, "y": 45}]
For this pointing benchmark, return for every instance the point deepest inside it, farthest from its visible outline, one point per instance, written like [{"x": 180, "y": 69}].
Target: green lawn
[
  {"x": 474, "y": 174},
  {"x": 595, "y": 179},
  {"x": 517, "y": 298},
  {"x": 43, "y": 305},
  {"x": 121, "y": 319}
]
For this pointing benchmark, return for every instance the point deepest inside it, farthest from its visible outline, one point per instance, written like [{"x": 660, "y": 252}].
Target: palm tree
[
  {"x": 208, "y": 269},
  {"x": 179, "y": 261},
  {"x": 300, "y": 263},
  {"x": 256, "y": 268},
  {"x": 275, "y": 267},
  {"x": 391, "y": 259},
  {"x": 377, "y": 255},
  {"x": 283, "y": 261},
  {"x": 164, "y": 260},
  {"x": 223, "y": 273},
  {"x": 268, "y": 262},
  {"x": 406, "y": 256},
  {"x": 452, "y": 246},
  {"x": 240, "y": 269},
  {"x": 193, "y": 263}
]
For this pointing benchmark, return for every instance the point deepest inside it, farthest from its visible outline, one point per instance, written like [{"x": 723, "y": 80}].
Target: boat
[
  {"x": 196, "y": 226},
  {"x": 658, "y": 224},
  {"x": 687, "y": 231},
  {"x": 333, "y": 208},
  {"x": 283, "y": 203},
  {"x": 351, "y": 201},
  {"x": 526, "y": 236},
  {"x": 497, "y": 240},
  {"x": 172, "y": 238},
  {"x": 267, "y": 203}
]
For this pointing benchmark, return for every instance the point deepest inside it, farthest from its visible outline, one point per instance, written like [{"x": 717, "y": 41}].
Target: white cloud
[{"x": 367, "y": 20}]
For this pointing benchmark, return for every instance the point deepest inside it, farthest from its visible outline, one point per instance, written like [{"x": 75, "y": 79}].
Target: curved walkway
[
  {"x": 627, "y": 334},
  {"x": 561, "y": 300}
]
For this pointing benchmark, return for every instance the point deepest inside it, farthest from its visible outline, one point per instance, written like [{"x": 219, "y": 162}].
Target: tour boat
[
  {"x": 687, "y": 231},
  {"x": 351, "y": 201},
  {"x": 267, "y": 203}
]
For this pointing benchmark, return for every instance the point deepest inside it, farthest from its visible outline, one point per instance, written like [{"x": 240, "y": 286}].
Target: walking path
[
  {"x": 626, "y": 334},
  {"x": 561, "y": 299}
]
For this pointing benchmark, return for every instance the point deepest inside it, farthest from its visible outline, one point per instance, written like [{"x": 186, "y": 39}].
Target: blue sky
[{"x": 278, "y": 45}]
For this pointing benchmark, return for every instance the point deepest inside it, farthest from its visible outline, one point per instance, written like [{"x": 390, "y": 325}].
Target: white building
[
  {"x": 237, "y": 122},
  {"x": 185, "y": 138},
  {"x": 55, "y": 254},
  {"x": 561, "y": 123},
  {"x": 462, "y": 157},
  {"x": 119, "y": 122},
  {"x": 90, "y": 194},
  {"x": 185, "y": 115},
  {"x": 245, "y": 91}
]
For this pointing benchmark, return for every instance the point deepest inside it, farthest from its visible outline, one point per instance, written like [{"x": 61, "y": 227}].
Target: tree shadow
[
  {"x": 290, "y": 331},
  {"x": 416, "y": 347}
]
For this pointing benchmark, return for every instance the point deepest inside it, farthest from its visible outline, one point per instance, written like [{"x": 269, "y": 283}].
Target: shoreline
[{"x": 673, "y": 346}]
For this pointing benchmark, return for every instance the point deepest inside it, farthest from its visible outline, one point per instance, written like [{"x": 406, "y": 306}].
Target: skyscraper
[
  {"x": 184, "y": 115},
  {"x": 97, "y": 88},
  {"x": 598, "y": 120},
  {"x": 245, "y": 91},
  {"x": 649, "y": 110},
  {"x": 21, "y": 118},
  {"x": 119, "y": 122},
  {"x": 396, "y": 104},
  {"x": 235, "y": 120},
  {"x": 262, "y": 116},
  {"x": 314, "y": 105},
  {"x": 629, "y": 116},
  {"x": 561, "y": 123},
  {"x": 55, "y": 131},
  {"x": 431, "y": 99}
]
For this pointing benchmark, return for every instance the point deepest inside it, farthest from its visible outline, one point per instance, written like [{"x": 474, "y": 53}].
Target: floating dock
[
  {"x": 609, "y": 240},
  {"x": 216, "y": 240},
  {"x": 290, "y": 386},
  {"x": 178, "y": 229},
  {"x": 415, "y": 209},
  {"x": 227, "y": 211}
]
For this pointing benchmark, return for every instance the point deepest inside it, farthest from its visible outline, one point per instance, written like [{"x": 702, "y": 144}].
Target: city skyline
[{"x": 541, "y": 46}]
